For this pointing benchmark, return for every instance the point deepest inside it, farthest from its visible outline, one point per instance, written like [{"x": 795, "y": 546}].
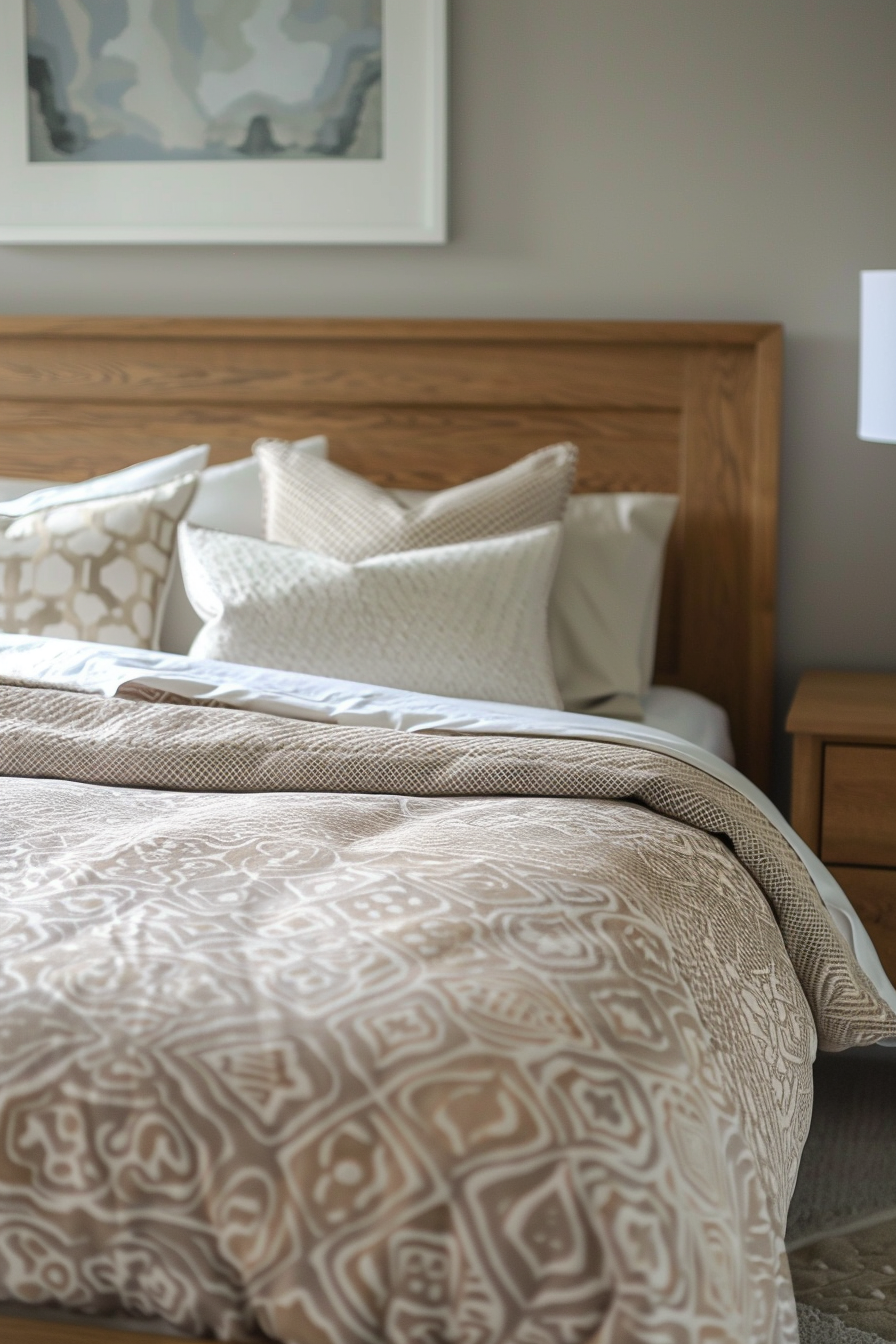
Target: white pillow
[
  {"x": 467, "y": 620},
  {"x": 229, "y": 499},
  {"x": 605, "y": 604},
  {"x": 141, "y": 476}
]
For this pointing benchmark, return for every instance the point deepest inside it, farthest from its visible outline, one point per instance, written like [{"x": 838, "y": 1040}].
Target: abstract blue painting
[{"x": 130, "y": 80}]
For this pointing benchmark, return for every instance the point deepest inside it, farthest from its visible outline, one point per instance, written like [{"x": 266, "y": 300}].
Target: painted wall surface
[{"x": 634, "y": 159}]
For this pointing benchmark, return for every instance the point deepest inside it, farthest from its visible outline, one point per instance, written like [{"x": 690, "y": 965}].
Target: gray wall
[{"x": 644, "y": 159}]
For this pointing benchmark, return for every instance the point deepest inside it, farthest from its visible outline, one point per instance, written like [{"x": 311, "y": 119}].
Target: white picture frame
[{"x": 400, "y": 198}]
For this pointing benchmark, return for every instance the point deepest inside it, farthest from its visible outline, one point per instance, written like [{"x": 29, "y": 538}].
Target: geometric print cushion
[
  {"x": 317, "y": 506},
  {"x": 95, "y": 570}
]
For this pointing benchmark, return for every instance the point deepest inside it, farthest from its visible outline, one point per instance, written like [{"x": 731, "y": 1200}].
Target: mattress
[{"x": 690, "y": 716}]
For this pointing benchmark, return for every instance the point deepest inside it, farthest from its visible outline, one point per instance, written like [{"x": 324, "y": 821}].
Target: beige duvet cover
[{"x": 352, "y": 1035}]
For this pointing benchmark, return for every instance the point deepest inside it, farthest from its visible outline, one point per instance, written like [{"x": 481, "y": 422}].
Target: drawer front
[
  {"x": 873, "y": 893},
  {"x": 858, "y": 814}
]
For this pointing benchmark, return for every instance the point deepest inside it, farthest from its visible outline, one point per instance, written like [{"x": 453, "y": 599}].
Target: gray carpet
[
  {"x": 819, "y": 1328},
  {"x": 848, "y": 1170},
  {"x": 847, "y": 1176}
]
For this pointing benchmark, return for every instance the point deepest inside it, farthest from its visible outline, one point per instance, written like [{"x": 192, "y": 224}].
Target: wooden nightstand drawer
[
  {"x": 873, "y": 893},
  {"x": 858, "y": 815}
]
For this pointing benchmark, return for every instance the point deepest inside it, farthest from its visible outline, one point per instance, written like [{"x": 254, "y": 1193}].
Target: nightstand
[{"x": 843, "y": 794}]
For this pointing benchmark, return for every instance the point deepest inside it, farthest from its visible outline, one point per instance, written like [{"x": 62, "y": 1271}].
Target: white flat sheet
[{"x": 102, "y": 669}]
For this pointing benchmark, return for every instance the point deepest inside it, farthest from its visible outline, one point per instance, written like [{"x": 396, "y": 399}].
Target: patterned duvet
[{"x": 352, "y": 1035}]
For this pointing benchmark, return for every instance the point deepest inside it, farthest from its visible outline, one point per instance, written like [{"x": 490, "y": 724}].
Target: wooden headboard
[{"x": 690, "y": 408}]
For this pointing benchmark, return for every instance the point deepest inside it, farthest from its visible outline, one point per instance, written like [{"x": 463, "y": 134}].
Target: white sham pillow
[
  {"x": 229, "y": 499},
  {"x": 467, "y": 620},
  {"x": 605, "y": 604},
  {"x": 141, "y": 476}
]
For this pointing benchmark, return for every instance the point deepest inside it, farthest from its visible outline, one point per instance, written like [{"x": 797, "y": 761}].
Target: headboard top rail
[{"x": 476, "y": 330}]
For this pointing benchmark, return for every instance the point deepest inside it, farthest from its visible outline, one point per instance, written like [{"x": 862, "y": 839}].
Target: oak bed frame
[{"x": 689, "y": 408}]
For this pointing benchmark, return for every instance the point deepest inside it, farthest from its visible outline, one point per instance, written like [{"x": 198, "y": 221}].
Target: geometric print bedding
[
  {"x": 94, "y": 569},
  {"x": 358, "y": 1035}
]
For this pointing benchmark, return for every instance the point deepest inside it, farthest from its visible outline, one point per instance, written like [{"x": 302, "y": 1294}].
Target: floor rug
[
  {"x": 818, "y": 1328},
  {"x": 850, "y": 1274},
  {"x": 841, "y": 1233}
]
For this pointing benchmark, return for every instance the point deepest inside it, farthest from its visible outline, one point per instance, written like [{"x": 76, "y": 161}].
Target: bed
[
  {"x": 688, "y": 408},
  {"x": 520, "y": 1011}
]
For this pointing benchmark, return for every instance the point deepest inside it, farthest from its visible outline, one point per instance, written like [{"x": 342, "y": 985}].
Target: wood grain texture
[
  {"x": 805, "y": 789},
  {"x": 873, "y": 893},
  {"x": 241, "y": 329},
  {"x": 724, "y": 587},
  {"x": 858, "y": 811},
  {"x": 342, "y": 373},
  {"x": 417, "y": 448},
  {"x": 15, "y": 1331},
  {"x": 858, "y": 706},
  {"x": 762, "y": 548},
  {"x": 686, "y": 407}
]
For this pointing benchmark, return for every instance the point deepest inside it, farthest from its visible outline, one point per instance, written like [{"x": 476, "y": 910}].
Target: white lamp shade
[{"x": 877, "y": 357}]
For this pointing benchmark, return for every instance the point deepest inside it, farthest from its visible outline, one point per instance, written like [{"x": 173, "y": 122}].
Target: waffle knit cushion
[
  {"x": 468, "y": 620},
  {"x": 321, "y": 507}
]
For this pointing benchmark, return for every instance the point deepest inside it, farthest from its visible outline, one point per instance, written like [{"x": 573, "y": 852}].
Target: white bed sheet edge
[{"x": 103, "y": 669}]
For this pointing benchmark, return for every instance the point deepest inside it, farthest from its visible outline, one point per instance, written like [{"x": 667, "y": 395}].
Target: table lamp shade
[{"x": 877, "y": 357}]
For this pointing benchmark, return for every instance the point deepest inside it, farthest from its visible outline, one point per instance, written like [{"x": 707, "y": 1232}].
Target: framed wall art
[{"x": 223, "y": 121}]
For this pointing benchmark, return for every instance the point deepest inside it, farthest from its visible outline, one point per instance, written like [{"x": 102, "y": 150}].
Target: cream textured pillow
[
  {"x": 467, "y": 620},
  {"x": 323, "y": 508},
  {"x": 94, "y": 569},
  {"x": 229, "y": 494}
]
